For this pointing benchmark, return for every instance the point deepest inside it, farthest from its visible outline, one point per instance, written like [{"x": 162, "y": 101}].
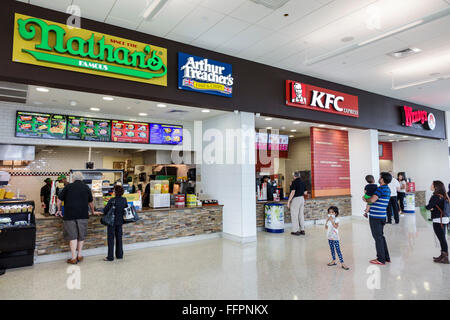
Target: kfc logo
[
  {"x": 310, "y": 97},
  {"x": 298, "y": 94}
]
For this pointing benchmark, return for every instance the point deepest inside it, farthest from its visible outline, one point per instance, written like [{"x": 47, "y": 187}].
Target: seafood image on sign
[{"x": 204, "y": 75}]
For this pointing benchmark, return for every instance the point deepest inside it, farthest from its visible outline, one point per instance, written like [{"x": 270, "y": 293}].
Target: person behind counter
[
  {"x": 265, "y": 180},
  {"x": 46, "y": 192},
  {"x": 61, "y": 179},
  {"x": 120, "y": 203},
  {"x": 146, "y": 195},
  {"x": 77, "y": 199}
]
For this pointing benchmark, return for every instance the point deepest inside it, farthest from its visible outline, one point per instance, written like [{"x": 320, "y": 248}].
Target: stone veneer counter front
[
  {"x": 315, "y": 208},
  {"x": 155, "y": 224}
]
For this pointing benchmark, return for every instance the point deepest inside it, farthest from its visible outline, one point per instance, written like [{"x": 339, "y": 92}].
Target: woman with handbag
[
  {"x": 440, "y": 220},
  {"x": 115, "y": 207}
]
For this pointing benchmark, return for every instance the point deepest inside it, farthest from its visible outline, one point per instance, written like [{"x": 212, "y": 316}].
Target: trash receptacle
[
  {"x": 274, "y": 217},
  {"x": 410, "y": 202}
]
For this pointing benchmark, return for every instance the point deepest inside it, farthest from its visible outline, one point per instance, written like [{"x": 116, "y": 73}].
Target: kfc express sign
[{"x": 306, "y": 96}]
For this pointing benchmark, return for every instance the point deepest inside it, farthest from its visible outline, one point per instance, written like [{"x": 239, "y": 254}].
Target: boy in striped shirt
[{"x": 377, "y": 217}]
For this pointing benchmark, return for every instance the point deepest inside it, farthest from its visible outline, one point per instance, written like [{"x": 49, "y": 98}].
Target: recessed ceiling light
[
  {"x": 391, "y": 135},
  {"x": 108, "y": 98},
  {"x": 268, "y": 128},
  {"x": 283, "y": 128},
  {"x": 322, "y": 125},
  {"x": 391, "y": 140},
  {"x": 405, "y": 137},
  {"x": 293, "y": 130},
  {"x": 37, "y": 102},
  {"x": 142, "y": 114},
  {"x": 73, "y": 103},
  {"x": 94, "y": 109},
  {"x": 40, "y": 89},
  {"x": 291, "y": 136},
  {"x": 161, "y": 105},
  {"x": 205, "y": 110},
  {"x": 268, "y": 119},
  {"x": 418, "y": 138},
  {"x": 343, "y": 128},
  {"x": 297, "y": 122},
  {"x": 132, "y": 119}
]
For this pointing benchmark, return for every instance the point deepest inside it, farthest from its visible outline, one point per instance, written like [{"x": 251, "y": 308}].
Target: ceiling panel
[
  {"x": 167, "y": 19},
  {"x": 245, "y": 39},
  {"x": 225, "y": 7},
  {"x": 198, "y": 21},
  {"x": 250, "y": 12},
  {"x": 127, "y": 14},
  {"x": 221, "y": 32},
  {"x": 98, "y": 12},
  {"x": 60, "y": 5},
  {"x": 266, "y": 45}
]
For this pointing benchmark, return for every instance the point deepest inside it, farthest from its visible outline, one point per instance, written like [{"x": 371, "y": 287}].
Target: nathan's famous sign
[{"x": 50, "y": 44}]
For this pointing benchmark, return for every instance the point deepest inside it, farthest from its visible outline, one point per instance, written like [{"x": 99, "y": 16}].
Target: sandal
[
  {"x": 345, "y": 268},
  {"x": 80, "y": 259},
  {"x": 72, "y": 261},
  {"x": 106, "y": 259},
  {"x": 331, "y": 264},
  {"x": 375, "y": 261}
]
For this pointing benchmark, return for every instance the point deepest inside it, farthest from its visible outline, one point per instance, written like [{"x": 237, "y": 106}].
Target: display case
[{"x": 17, "y": 233}]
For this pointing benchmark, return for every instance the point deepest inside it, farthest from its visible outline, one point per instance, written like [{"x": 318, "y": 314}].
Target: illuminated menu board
[
  {"x": 40, "y": 125},
  {"x": 166, "y": 134},
  {"x": 88, "y": 129},
  {"x": 261, "y": 140},
  {"x": 128, "y": 131}
]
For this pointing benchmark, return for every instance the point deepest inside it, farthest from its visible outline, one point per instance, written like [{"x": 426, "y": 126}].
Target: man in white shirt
[{"x": 393, "y": 203}]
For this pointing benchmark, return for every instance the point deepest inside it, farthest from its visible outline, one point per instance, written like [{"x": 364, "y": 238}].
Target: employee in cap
[
  {"x": 62, "y": 179},
  {"x": 46, "y": 191}
]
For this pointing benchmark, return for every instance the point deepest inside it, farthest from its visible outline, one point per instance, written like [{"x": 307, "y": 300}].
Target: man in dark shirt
[
  {"x": 77, "y": 199},
  {"x": 46, "y": 192},
  {"x": 296, "y": 204},
  {"x": 269, "y": 188}
]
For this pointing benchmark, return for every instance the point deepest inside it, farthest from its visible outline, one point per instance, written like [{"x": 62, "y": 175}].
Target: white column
[
  {"x": 364, "y": 160},
  {"x": 228, "y": 171}
]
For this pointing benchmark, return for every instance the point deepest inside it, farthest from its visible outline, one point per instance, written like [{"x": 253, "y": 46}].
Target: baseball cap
[{"x": 61, "y": 177}]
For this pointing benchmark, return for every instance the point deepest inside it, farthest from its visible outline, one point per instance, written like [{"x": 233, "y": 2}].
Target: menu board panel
[
  {"x": 88, "y": 129},
  {"x": 278, "y": 142},
  {"x": 128, "y": 131},
  {"x": 261, "y": 140},
  {"x": 40, "y": 125},
  {"x": 166, "y": 134}
]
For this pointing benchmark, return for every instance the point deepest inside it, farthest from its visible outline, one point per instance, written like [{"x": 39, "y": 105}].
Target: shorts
[{"x": 75, "y": 229}]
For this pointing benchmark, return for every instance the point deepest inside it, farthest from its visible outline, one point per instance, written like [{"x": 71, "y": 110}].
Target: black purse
[{"x": 109, "y": 218}]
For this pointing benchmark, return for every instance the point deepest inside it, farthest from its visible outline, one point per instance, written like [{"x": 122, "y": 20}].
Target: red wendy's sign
[
  {"x": 410, "y": 117},
  {"x": 305, "y": 96}
]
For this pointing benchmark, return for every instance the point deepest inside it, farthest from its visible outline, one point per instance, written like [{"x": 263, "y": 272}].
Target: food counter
[
  {"x": 155, "y": 224},
  {"x": 315, "y": 208}
]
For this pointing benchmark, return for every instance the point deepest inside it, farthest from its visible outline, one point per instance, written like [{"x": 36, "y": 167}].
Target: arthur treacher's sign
[{"x": 204, "y": 75}]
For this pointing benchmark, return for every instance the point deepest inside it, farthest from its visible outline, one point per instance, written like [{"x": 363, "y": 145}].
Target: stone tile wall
[{"x": 154, "y": 225}]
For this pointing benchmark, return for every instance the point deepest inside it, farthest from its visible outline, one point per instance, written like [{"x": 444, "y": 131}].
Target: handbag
[
  {"x": 109, "y": 218},
  {"x": 130, "y": 214}
]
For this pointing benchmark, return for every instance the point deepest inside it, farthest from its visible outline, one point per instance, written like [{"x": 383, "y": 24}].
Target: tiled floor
[{"x": 278, "y": 266}]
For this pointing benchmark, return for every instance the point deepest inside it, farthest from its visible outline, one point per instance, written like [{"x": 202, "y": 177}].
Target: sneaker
[{"x": 295, "y": 233}]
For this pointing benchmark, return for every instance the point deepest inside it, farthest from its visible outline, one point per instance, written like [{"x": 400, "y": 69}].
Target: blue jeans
[{"x": 334, "y": 245}]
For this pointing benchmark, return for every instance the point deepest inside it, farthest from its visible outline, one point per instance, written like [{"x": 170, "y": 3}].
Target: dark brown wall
[{"x": 258, "y": 88}]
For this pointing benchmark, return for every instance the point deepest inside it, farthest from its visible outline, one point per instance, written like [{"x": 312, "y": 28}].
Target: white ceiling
[
  {"x": 126, "y": 107},
  {"x": 314, "y": 27}
]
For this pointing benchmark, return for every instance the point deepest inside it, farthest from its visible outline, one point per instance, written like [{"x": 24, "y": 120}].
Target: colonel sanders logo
[{"x": 298, "y": 94}]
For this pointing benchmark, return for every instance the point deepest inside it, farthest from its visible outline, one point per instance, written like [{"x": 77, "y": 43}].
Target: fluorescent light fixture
[
  {"x": 417, "y": 83},
  {"x": 132, "y": 119},
  {"x": 391, "y": 140},
  {"x": 268, "y": 119},
  {"x": 37, "y": 102},
  {"x": 405, "y": 137},
  {"x": 322, "y": 125},
  {"x": 268, "y": 128},
  {"x": 418, "y": 138},
  {"x": 161, "y": 105},
  {"x": 108, "y": 98},
  {"x": 392, "y": 32},
  {"x": 297, "y": 122},
  {"x": 343, "y": 128},
  {"x": 40, "y": 89},
  {"x": 391, "y": 135},
  {"x": 283, "y": 128},
  {"x": 94, "y": 109},
  {"x": 142, "y": 114},
  {"x": 291, "y": 136},
  {"x": 345, "y": 49},
  {"x": 205, "y": 110},
  {"x": 293, "y": 130},
  {"x": 154, "y": 9}
]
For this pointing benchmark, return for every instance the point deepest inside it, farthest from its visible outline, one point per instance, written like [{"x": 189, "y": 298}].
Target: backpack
[{"x": 446, "y": 211}]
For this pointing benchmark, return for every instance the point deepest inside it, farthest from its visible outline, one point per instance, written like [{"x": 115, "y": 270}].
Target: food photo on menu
[
  {"x": 88, "y": 129},
  {"x": 166, "y": 134},
  {"x": 131, "y": 132},
  {"x": 37, "y": 125}
]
